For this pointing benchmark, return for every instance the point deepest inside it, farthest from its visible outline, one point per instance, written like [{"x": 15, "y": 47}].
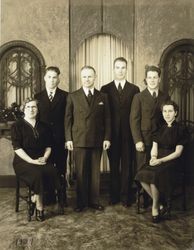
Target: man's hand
[
  {"x": 106, "y": 145},
  {"x": 140, "y": 146},
  {"x": 69, "y": 145}
]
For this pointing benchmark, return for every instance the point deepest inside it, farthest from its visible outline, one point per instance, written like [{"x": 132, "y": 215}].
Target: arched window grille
[
  {"x": 177, "y": 63},
  {"x": 21, "y": 67}
]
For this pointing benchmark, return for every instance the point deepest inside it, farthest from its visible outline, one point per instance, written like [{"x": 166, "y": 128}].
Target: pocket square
[{"x": 100, "y": 103}]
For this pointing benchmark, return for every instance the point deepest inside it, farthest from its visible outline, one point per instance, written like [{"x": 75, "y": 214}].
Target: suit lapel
[
  {"x": 114, "y": 91},
  {"x": 93, "y": 104},
  {"x": 153, "y": 103},
  {"x": 55, "y": 99},
  {"x": 45, "y": 98},
  {"x": 83, "y": 100}
]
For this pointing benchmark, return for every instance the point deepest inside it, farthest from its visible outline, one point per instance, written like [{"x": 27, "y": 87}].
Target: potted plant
[{"x": 10, "y": 114}]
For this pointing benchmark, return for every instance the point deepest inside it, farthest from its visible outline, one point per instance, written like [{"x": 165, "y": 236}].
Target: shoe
[
  {"x": 156, "y": 219},
  {"x": 32, "y": 207},
  {"x": 78, "y": 209},
  {"x": 126, "y": 204},
  {"x": 39, "y": 215},
  {"x": 111, "y": 203},
  {"x": 97, "y": 207},
  {"x": 163, "y": 212}
]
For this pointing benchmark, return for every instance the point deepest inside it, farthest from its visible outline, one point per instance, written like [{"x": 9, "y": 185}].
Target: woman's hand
[
  {"x": 38, "y": 161},
  {"x": 42, "y": 159},
  {"x": 155, "y": 162}
]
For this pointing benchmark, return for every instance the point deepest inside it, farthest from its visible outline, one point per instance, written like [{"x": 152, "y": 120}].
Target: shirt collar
[
  {"x": 151, "y": 91},
  {"x": 49, "y": 91},
  {"x": 122, "y": 82},
  {"x": 87, "y": 89}
]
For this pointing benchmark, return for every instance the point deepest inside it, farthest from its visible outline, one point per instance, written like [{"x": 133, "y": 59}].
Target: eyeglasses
[{"x": 31, "y": 107}]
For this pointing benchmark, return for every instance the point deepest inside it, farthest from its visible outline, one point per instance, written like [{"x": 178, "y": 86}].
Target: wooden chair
[{"x": 25, "y": 197}]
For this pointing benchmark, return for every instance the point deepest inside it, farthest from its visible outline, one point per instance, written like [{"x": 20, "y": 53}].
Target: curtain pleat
[{"x": 99, "y": 51}]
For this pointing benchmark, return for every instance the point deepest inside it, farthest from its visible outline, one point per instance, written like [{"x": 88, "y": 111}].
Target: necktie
[
  {"x": 51, "y": 96},
  {"x": 89, "y": 96},
  {"x": 120, "y": 88},
  {"x": 154, "y": 95}
]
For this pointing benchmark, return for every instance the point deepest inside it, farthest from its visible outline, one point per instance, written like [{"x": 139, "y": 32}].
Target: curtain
[{"x": 99, "y": 51}]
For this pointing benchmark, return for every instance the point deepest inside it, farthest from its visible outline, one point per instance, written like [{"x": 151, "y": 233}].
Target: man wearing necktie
[
  {"x": 52, "y": 103},
  {"x": 120, "y": 93},
  {"x": 87, "y": 130},
  {"x": 146, "y": 116}
]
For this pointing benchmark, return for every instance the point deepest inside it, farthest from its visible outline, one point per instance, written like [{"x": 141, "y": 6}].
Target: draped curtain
[{"x": 99, "y": 51}]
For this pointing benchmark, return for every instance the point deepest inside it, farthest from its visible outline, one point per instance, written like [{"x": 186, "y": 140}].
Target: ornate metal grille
[
  {"x": 178, "y": 79},
  {"x": 20, "y": 75}
]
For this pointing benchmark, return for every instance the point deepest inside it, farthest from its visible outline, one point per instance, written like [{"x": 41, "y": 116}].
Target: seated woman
[
  {"x": 168, "y": 142},
  {"x": 31, "y": 141}
]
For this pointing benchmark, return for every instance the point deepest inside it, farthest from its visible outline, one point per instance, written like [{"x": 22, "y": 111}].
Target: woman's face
[
  {"x": 31, "y": 110},
  {"x": 169, "y": 113}
]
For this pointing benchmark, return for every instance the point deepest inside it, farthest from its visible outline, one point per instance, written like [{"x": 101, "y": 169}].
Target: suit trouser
[
  {"x": 120, "y": 157},
  {"x": 87, "y": 165},
  {"x": 59, "y": 157}
]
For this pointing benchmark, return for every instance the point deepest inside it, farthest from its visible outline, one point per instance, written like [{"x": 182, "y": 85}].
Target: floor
[{"x": 116, "y": 228}]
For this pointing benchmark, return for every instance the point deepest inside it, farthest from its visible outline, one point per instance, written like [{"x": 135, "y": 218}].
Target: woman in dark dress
[
  {"x": 31, "y": 141},
  {"x": 168, "y": 143}
]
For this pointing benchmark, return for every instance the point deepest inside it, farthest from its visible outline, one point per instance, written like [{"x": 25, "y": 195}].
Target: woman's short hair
[
  {"x": 170, "y": 102},
  {"x": 27, "y": 100},
  {"x": 152, "y": 68}
]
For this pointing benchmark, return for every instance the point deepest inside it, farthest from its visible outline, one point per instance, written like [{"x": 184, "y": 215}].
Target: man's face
[
  {"x": 87, "y": 78},
  {"x": 120, "y": 70},
  {"x": 51, "y": 79},
  {"x": 152, "y": 80}
]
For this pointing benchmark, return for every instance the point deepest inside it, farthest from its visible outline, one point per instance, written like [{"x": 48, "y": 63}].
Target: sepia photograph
[{"x": 96, "y": 125}]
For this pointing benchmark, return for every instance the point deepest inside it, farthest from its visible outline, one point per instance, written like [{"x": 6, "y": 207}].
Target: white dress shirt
[
  {"x": 86, "y": 90},
  {"x": 152, "y": 91},
  {"x": 122, "y": 82}
]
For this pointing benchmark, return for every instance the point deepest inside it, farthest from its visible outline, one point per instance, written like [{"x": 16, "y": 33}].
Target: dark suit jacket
[
  {"x": 53, "y": 113},
  {"x": 146, "y": 116},
  {"x": 120, "y": 107},
  {"x": 87, "y": 125}
]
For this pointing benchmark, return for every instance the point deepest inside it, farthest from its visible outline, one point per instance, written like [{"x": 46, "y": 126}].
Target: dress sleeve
[
  {"x": 183, "y": 136},
  {"x": 16, "y": 136},
  {"x": 155, "y": 135}
]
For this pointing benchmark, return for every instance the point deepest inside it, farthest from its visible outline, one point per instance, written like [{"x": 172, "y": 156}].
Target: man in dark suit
[
  {"x": 146, "y": 116},
  {"x": 120, "y": 93},
  {"x": 52, "y": 104},
  {"x": 87, "y": 130}
]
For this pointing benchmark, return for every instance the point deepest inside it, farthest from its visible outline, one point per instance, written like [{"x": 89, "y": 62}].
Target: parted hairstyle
[
  {"x": 53, "y": 68},
  {"x": 152, "y": 68},
  {"x": 88, "y": 67},
  {"x": 121, "y": 59}
]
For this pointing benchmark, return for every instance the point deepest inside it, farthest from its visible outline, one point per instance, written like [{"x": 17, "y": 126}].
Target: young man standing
[
  {"x": 120, "y": 93},
  {"x": 146, "y": 116},
  {"x": 52, "y": 104}
]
